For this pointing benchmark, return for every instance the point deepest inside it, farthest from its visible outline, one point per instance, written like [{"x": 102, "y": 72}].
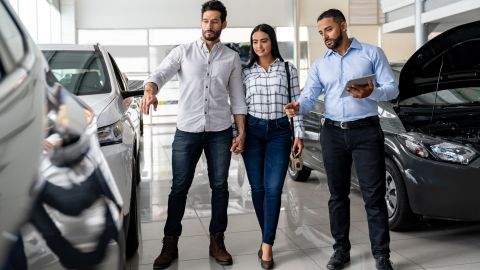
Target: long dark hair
[{"x": 273, "y": 38}]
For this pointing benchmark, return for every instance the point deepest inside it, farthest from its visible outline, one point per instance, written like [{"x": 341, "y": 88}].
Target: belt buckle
[{"x": 343, "y": 125}]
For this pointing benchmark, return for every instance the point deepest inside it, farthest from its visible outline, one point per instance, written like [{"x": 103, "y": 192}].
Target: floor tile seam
[
  {"x": 289, "y": 238},
  {"x": 450, "y": 265},
  {"x": 312, "y": 258},
  {"x": 416, "y": 263},
  {"x": 406, "y": 258},
  {"x": 444, "y": 266}
]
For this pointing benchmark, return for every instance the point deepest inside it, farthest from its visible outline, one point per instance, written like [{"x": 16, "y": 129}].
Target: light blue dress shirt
[{"x": 330, "y": 73}]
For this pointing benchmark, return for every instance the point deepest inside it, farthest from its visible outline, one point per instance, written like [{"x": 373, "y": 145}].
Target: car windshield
[
  {"x": 456, "y": 96},
  {"x": 80, "y": 72}
]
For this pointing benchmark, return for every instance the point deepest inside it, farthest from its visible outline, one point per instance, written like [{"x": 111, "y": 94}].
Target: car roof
[{"x": 67, "y": 47}]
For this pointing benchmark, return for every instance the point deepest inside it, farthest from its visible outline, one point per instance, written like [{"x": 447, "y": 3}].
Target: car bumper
[{"x": 441, "y": 189}]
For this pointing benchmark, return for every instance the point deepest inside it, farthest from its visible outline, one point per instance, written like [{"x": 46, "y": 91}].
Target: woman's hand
[{"x": 297, "y": 147}]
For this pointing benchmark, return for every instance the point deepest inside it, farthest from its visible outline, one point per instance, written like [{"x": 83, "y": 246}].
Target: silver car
[
  {"x": 90, "y": 72},
  {"x": 59, "y": 205}
]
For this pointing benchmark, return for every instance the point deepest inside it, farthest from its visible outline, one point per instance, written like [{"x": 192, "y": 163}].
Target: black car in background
[{"x": 432, "y": 132}]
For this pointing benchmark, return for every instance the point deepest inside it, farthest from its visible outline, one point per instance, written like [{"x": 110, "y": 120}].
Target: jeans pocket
[
  {"x": 283, "y": 123},
  {"x": 252, "y": 121}
]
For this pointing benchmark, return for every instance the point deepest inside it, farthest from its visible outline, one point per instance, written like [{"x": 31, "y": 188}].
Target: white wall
[{"x": 125, "y": 14}]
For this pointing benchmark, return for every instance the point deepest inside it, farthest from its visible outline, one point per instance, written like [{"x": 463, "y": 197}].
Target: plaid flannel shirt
[{"x": 267, "y": 92}]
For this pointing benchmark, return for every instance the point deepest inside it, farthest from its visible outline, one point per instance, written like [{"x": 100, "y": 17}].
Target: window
[{"x": 80, "y": 72}]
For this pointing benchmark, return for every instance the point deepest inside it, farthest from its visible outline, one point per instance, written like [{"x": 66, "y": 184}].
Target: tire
[
  {"x": 299, "y": 175},
  {"x": 400, "y": 215}
]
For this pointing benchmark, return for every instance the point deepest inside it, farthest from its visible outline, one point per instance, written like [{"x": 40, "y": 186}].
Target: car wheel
[
  {"x": 400, "y": 215},
  {"x": 299, "y": 175}
]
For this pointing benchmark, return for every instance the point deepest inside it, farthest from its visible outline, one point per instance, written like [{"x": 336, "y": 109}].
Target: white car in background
[{"x": 90, "y": 73}]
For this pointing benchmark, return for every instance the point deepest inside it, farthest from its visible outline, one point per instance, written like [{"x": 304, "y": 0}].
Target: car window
[
  {"x": 12, "y": 40},
  {"x": 118, "y": 74},
  {"x": 80, "y": 72}
]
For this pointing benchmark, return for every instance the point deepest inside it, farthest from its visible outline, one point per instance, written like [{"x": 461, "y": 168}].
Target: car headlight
[
  {"x": 430, "y": 147},
  {"x": 111, "y": 134}
]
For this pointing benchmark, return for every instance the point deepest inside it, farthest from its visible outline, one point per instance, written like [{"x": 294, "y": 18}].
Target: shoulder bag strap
[{"x": 287, "y": 69}]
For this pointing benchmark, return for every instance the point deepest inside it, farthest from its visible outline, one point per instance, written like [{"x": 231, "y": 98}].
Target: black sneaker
[
  {"x": 338, "y": 260},
  {"x": 383, "y": 263}
]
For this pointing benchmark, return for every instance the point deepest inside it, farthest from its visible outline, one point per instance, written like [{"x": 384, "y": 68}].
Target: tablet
[{"x": 360, "y": 81}]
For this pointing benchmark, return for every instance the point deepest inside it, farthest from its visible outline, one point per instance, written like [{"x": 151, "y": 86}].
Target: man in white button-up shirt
[{"x": 210, "y": 92}]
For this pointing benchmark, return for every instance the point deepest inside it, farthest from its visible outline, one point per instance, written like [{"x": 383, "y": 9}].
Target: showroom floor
[{"x": 303, "y": 237}]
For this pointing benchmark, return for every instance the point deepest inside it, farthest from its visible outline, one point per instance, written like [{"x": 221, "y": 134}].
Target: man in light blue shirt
[{"x": 351, "y": 132}]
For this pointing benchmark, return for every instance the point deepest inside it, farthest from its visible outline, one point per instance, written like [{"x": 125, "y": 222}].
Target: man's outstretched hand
[{"x": 149, "y": 98}]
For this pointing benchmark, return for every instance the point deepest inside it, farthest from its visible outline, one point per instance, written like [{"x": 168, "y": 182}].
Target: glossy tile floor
[{"x": 303, "y": 237}]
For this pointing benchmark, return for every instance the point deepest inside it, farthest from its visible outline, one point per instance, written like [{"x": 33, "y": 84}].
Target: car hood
[
  {"x": 451, "y": 59},
  {"x": 99, "y": 103}
]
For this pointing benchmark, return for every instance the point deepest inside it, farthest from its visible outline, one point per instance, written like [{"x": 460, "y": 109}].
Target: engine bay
[{"x": 463, "y": 128}]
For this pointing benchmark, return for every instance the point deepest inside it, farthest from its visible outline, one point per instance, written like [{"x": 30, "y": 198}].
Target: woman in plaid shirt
[{"x": 268, "y": 141}]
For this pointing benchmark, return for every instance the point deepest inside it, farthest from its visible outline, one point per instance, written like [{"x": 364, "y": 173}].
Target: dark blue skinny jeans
[
  {"x": 266, "y": 157},
  {"x": 187, "y": 148}
]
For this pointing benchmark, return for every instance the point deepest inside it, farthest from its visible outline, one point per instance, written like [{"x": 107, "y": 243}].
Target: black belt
[{"x": 368, "y": 121}]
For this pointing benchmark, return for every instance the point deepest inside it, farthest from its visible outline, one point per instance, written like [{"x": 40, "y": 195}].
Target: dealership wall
[{"x": 122, "y": 14}]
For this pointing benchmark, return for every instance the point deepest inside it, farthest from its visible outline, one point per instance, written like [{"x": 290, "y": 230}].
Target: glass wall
[
  {"x": 139, "y": 51},
  {"x": 41, "y": 18}
]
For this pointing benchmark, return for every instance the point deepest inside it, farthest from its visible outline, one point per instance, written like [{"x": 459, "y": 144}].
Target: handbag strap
[{"x": 287, "y": 69}]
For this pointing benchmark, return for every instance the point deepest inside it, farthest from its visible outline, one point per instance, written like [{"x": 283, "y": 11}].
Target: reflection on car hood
[
  {"x": 99, "y": 103},
  {"x": 457, "y": 49}
]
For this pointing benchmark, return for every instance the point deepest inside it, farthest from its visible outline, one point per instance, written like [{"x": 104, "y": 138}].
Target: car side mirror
[{"x": 135, "y": 93}]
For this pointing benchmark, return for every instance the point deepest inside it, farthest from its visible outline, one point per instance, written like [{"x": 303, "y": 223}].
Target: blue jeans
[
  {"x": 187, "y": 148},
  {"x": 266, "y": 157}
]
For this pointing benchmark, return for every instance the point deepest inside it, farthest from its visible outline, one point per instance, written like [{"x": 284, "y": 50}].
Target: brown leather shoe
[
  {"x": 218, "y": 250},
  {"x": 168, "y": 254}
]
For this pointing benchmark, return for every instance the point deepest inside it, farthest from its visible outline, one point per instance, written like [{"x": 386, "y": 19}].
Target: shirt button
[
  {"x": 206, "y": 86},
  {"x": 205, "y": 112},
  {"x": 206, "y": 99},
  {"x": 208, "y": 74}
]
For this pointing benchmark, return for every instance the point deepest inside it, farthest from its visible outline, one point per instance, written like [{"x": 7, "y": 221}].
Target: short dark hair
[
  {"x": 217, "y": 6},
  {"x": 336, "y": 14},
  {"x": 273, "y": 39}
]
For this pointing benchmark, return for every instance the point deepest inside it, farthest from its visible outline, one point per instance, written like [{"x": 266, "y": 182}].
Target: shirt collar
[
  {"x": 354, "y": 45},
  {"x": 203, "y": 46},
  {"x": 275, "y": 62}
]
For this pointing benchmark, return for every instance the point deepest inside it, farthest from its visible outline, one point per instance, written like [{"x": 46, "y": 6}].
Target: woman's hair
[{"x": 273, "y": 38}]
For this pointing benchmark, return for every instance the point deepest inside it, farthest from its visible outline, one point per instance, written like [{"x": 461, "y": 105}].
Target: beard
[
  {"x": 211, "y": 35},
  {"x": 336, "y": 42}
]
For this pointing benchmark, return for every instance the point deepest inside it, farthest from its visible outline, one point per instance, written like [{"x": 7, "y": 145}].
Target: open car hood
[{"x": 451, "y": 58}]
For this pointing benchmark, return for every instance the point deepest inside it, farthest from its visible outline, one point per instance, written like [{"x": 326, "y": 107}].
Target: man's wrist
[{"x": 150, "y": 88}]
